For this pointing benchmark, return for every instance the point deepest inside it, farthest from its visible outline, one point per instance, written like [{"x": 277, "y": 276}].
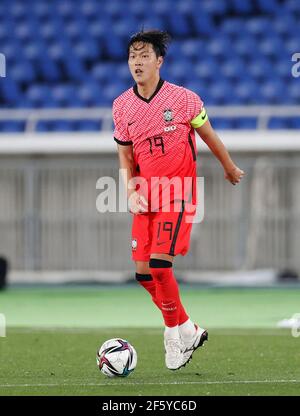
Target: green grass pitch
[{"x": 53, "y": 333}]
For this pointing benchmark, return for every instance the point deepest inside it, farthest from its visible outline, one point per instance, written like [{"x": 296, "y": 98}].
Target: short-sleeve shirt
[{"x": 159, "y": 128}]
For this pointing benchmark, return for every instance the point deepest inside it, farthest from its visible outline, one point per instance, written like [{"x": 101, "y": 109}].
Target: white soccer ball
[{"x": 116, "y": 358}]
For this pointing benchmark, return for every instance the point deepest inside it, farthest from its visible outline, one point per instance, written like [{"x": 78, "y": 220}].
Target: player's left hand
[{"x": 234, "y": 175}]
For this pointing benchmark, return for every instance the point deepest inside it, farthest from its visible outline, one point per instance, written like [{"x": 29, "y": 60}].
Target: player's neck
[{"x": 146, "y": 90}]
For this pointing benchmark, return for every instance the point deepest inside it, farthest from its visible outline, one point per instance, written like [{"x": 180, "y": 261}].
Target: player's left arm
[{"x": 231, "y": 172}]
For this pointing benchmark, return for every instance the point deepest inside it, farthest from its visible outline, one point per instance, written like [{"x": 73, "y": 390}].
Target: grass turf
[
  {"x": 232, "y": 362},
  {"x": 51, "y": 342}
]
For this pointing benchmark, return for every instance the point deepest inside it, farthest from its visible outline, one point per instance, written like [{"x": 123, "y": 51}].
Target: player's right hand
[{"x": 137, "y": 203}]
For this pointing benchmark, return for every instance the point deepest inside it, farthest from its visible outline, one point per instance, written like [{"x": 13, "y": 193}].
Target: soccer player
[{"x": 154, "y": 129}]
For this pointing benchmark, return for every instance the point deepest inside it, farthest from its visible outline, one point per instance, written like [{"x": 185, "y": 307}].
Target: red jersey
[{"x": 161, "y": 134}]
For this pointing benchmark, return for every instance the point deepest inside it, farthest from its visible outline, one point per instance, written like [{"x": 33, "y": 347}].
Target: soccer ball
[{"x": 116, "y": 358}]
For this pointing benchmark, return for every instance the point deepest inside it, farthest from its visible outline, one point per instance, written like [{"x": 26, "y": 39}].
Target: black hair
[{"x": 159, "y": 39}]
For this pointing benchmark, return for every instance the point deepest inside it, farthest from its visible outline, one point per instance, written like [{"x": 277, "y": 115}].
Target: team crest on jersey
[
  {"x": 168, "y": 116},
  {"x": 134, "y": 244}
]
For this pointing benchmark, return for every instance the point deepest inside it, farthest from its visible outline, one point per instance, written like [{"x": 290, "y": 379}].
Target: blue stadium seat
[
  {"x": 96, "y": 30},
  {"x": 23, "y": 72},
  {"x": 219, "y": 47},
  {"x": 48, "y": 31},
  {"x": 43, "y": 127},
  {"x": 137, "y": 9},
  {"x": 284, "y": 24},
  {"x": 65, "y": 95},
  {"x": 122, "y": 72},
  {"x": 68, "y": 53},
  {"x": 186, "y": 7},
  {"x": 90, "y": 9},
  {"x": 282, "y": 68},
  {"x": 260, "y": 69},
  {"x": 10, "y": 92},
  {"x": 291, "y": 45},
  {"x": 268, "y": 6},
  {"x": 233, "y": 69},
  {"x": 179, "y": 24},
  {"x": 11, "y": 126},
  {"x": 214, "y": 7},
  {"x": 39, "y": 96},
  {"x": 198, "y": 87},
  {"x": 246, "y": 92},
  {"x": 88, "y": 125},
  {"x": 258, "y": 26},
  {"x": 203, "y": 24},
  {"x": 115, "y": 49},
  {"x": 245, "y": 46},
  {"x": 62, "y": 125},
  {"x": 295, "y": 122},
  {"x": 65, "y": 8},
  {"x": 246, "y": 123},
  {"x": 278, "y": 123},
  {"x": 273, "y": 91},
  {"x": 112, "y": 91},
  {"x": 242, "y": 7},
  {"x": 189, "y": 49},
  {"x": 86, "y": 49},
  {"x": 178, "y": 73},
  {"x": 124, "y": 28},
  {"x": 41, "y": 9},
  {"x": 12, "y": 50},
  {"x": 222, "y": 123},
  {"x": 73, "y": 29},
  {"x": 233, "y": 27},
  {"x": 74, "y": 68},
  {"x": 271, "y": 47},
  {"x": 48, "y": 69},
  {"x": 88, "y": 94},
  {"x": 160, "y": 8},
  {"x": 293, "y": 91},
  {"x": 103, "y": 72},
  {"x": 293, "y": 6},
  {"x": 205, "y": 70},
  {"x": 221, "y": 92}
]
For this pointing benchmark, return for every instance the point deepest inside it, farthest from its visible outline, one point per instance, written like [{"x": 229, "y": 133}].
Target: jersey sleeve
[
  {"x": 120, "y": 130},
  {"x": 196, "y": 112}
]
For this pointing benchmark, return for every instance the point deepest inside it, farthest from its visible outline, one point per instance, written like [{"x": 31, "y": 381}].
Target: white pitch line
[{"x": 152, "y": 384}]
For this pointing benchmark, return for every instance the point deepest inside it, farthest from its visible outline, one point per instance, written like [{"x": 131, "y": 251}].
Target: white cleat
[
  {"x": 174, "y": 353},
  {"x": 197, "y": 341}
]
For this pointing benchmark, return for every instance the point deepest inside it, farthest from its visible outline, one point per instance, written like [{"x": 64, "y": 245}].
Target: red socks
[
  {"x": 164, "y": 291},
  {"x": 148, "y": 283}
]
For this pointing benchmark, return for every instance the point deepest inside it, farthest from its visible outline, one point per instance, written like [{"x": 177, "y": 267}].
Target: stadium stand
[{"x": 72, "y": 54}]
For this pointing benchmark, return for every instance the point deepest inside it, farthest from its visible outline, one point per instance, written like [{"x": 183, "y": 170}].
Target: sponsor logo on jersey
[
  {"x": 169, "y": 128},
  {"x": 168, "y": 116}
]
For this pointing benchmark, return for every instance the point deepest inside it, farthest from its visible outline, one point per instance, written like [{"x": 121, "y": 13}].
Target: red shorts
[{"x": 161, "y": 232}]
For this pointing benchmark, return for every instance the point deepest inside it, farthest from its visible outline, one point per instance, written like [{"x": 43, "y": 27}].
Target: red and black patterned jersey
[{"x": 160, "y": 131}]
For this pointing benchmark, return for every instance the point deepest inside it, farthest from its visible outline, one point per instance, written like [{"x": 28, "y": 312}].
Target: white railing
[{"x": 33, "y": 116}]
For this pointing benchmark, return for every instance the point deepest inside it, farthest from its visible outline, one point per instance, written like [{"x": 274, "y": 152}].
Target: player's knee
[
  {"x": 159, "y": 268},
  {"x": 142, "y": 267},
  {"x": 143, "y": 277}
]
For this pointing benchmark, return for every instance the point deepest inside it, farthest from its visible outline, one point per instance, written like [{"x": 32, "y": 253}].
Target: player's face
[{"x": 143, "y": 62}]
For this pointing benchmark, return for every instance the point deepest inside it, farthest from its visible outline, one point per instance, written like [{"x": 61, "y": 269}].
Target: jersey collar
[{"x": 147, "y": 100}]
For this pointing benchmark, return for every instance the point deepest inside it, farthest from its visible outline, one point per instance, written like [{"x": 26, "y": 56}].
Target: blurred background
[{"x": 66, "y": 62}]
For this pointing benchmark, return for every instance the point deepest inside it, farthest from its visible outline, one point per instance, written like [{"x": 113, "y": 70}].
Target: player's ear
[{"x": 160, "y": 61}]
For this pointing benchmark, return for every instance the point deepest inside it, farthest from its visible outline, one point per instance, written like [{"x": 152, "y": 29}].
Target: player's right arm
[
  {"x": 126, "y": 160},
  {"x": 136, "y": 201}
]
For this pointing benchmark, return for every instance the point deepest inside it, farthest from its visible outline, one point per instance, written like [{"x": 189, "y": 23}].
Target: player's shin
[
  {"x": 167, "y": 290},
  {"x": 149, "y": 284}
]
